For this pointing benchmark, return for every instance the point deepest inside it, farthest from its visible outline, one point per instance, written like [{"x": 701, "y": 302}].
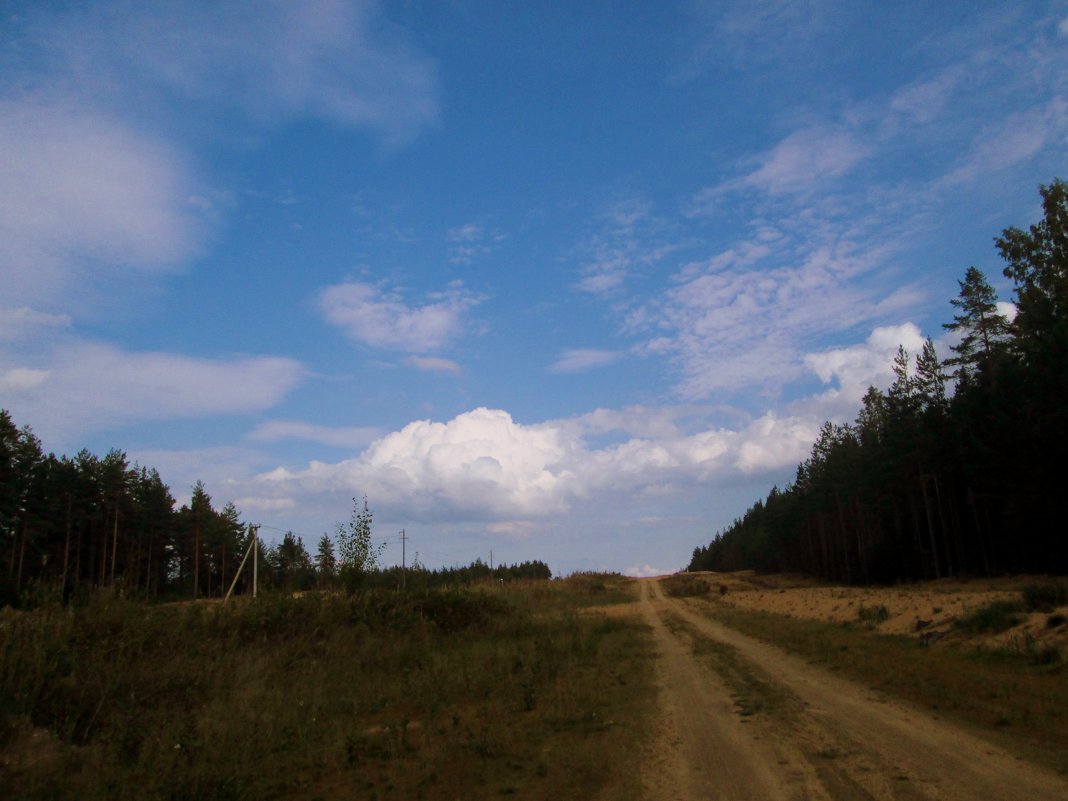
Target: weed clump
[
  {"x": 993, "y": 618},
  {"x": 1046, "y": 596},
  {"x": 873, "y": 615}
]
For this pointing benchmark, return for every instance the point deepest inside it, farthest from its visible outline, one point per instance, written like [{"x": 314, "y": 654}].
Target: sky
[{"x": 576, "y": 282}]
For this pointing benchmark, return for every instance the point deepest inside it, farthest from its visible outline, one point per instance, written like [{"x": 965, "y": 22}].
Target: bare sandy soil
[
  {"x": 912, "y": 609},
  {"x": 821, "y": 737}
]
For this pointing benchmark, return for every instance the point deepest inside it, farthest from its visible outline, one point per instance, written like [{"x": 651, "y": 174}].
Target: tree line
[
  {"x": 71, "y": 526},
  {"x": 930, "y": 482}
]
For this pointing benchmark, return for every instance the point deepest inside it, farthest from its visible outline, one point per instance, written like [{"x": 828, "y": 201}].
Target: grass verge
[{"x": 469, "y": 693}]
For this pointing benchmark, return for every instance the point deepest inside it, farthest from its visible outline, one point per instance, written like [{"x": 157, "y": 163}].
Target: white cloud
[
  {"x": 771, "y": 443},
  {"x": 21, "y": 379},
  {"x": 384, "y": 321},
  {"x": 90, "y": 386},
  {"x": 851, "y": 370},
  {"x": 482, "y": 465},
  {"x": 646, "y": 571},
  {"x": 581, "y": 360},
  {"x": 20, "y": 323},
  {"x": 732, "y": 323},
  {"x": 1008, "y": 142},
  {"x": 338, "y": 437},
  {"x": 82, "y": 192},
  {"x": 1007, "y": 310},
  {"x": 859, "y": 366},
  {"x": 806, "y": 159},
  {"x": 331, "y": 59},
  {"x": 924, "y": 100},
  {"x": 433, "y": 364},
  {"x": 629, "y": 240},
  {"x": 471, "y": 241}
]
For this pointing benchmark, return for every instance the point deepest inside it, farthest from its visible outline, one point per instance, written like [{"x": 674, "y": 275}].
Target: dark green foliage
[
  {"x": 924, "y": 485},
  {"x": 993, "y": 618},
  {"x": 1045, "y": 597},
  {"x": 873, "y": 614}
]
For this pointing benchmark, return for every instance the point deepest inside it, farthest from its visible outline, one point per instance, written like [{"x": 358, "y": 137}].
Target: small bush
[
  {"x": 993, "y": 618},
  {"x": 682, "y": 586},
  {"x": 873, "y": 614},
  {"x": 1045, "y": 597}
]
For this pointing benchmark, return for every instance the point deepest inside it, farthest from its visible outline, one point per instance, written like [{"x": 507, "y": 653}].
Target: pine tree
[
  {"x": 983, "y": 328},
  {"x": 1038, "y": 264},
  {"x": 325, "y": 562}
]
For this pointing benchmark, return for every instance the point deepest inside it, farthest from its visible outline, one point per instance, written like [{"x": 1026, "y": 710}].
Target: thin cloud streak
[{"x": 88, "y": 386}]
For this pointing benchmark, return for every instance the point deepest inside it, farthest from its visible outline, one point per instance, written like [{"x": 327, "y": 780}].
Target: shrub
[
  {"x": 1044, "y": 597},
  {"x": 993, "y": 618},
  {"x": 873, "y": 614},
  {"x": 682, "y": 586}
]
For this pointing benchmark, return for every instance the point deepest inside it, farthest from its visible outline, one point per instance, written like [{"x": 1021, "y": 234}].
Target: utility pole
[
  {"x": 404, "y": 561},
  {"x": 491, "y": 560},
  {"x": 255, "y": 557}
]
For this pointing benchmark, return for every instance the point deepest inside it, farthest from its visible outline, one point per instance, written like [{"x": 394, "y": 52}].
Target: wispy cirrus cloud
[
  {"x": 581, "y": 360},
  {"x": 470, "y": 242},
  {"x": 629, "y": 239},
  {"x": 340, "y": 61},
  {"x": 383, "y": 320},
  {"x": 806, "y": 159},
  {"x": 830, "y": 221},
  {"x": 433, "y": 364}
]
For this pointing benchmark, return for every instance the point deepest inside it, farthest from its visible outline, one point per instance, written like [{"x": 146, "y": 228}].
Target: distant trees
[{"x": 924, "y": 485}]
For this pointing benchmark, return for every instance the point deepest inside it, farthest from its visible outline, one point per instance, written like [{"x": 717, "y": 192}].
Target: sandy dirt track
[{"x": 823, "y": 738}]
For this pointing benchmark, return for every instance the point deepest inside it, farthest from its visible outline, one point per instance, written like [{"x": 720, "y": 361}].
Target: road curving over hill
[{"x": 741, "y": 719}]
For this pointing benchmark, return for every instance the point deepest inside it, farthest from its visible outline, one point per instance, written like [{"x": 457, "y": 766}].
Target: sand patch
[{"x": 912, "y": 609}]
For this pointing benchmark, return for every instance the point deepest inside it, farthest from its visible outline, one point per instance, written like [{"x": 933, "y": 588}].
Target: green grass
[
  {"x": 468, "y": 693},
  {"x": 1019, "y": 701}
]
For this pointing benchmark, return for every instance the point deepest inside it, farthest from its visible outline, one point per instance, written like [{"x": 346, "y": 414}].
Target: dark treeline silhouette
[
  {"x": 76, "y": 524},
  {"x": 927, "y": 485},
  {"x": 293, "y": 569}
]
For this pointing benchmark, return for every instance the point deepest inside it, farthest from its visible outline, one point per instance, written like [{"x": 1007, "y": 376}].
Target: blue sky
[{"x": 575, "y": 282}]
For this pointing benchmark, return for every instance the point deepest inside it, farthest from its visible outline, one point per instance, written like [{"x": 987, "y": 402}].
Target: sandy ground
[
  {"x": 913, "y": 609},
  {"x": 830, "y": 738}
]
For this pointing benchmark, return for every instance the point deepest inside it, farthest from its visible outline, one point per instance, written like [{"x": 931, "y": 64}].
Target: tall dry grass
[{"x": 442, "y": 694}]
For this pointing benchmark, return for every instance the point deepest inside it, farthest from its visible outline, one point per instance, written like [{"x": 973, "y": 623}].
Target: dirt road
[{"x": 740, "y": 719}]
